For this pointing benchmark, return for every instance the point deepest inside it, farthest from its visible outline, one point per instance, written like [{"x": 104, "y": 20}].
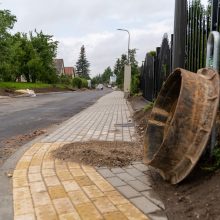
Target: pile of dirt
[
  {"x": 100, "y": 153},
  {"x": 10, "y": 146},
  {"x": 8, "y": 92}
]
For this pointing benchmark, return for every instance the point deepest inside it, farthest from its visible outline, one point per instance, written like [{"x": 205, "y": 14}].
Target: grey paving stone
[
  {"x": 138, "y": 185},
  {"x": 134, "y": 172},
  {"x": 145, "y": 205},
  {"x": 115, "y": 181},
  {"x": 157, "y": 217},
  {"x": 128, "y": 191},
  {"x": 151, "y": 195},
  {"x": 106, "y": 173},
  {"x": 142, "y": 167},
  {"x": 125, "y": 176},
  {"x": 145, "y": 179},
  {"x": 117, "y": 170}
]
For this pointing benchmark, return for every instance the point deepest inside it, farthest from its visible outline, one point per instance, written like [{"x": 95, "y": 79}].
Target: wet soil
[{"x": 100, "y": 153}]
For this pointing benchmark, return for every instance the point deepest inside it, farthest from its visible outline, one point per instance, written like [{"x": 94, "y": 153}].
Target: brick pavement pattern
[{"x": 45, "y": 188}]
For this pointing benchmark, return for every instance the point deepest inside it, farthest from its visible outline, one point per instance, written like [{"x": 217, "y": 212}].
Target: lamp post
[{"x": 120, "y": 29}]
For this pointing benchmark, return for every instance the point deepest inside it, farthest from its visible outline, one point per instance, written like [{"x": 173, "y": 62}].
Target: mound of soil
[{"x": 100, "y": 153}]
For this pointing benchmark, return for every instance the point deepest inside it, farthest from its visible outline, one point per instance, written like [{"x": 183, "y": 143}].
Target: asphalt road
[{"x": 20, "y": 116}]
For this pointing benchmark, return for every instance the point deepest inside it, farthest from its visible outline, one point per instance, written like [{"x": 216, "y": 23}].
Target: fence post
[
  {"x": 180, "y": 23},
  {"x": 212, "y": 61}
]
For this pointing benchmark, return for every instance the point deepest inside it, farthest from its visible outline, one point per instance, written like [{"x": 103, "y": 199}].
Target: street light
[{"x": 119, "y": 29}]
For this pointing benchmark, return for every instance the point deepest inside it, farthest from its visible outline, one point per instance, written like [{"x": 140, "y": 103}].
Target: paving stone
[
  {"x": 104, "y": 205},
  {"x": 106, "y": 173},
  {"x": 162, "y": 216},
  {"x": 128, "y": 191},
  {"x": 87, "y": 211},
  {"x": 151, "y": 195},
  {"x": 131, "y": 212},
  {"x": 134, "y": 172},
  {"x": 145, "y": 179},
  {"x": 78, "y": 197},
  {"x": 145, "y": 205},
  {"x": 138, "y": 185},
  {"x": 46, "y": 212},
  {"x": 114, "y": 216},
  {"x": 125, "y": 176},
  {"x": 116, "y": 181},
  {"x": 117, "y": 170},
  {"x": 142, "y": 167},
  {"x": 63, "y": 205}
]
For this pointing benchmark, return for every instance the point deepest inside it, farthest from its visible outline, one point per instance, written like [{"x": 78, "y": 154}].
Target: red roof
[{"x": 69, "y": 71}]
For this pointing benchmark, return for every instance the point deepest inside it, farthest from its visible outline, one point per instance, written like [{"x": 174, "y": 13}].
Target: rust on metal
[{"x": 181, "y": 122}]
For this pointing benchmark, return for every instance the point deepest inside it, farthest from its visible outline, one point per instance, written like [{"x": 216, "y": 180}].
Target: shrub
[
  {"x": 77, "y": 82},
  {"x": 65, "y": 80},
  {"x": 84, "y": 83}
]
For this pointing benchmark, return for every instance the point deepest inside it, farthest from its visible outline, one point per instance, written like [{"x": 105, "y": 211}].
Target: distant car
[
  {"x": 109, "y": 86},
  {"x": 99, "y": 87}
]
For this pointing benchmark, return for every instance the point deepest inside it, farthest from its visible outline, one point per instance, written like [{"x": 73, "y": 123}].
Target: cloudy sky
[{"x": 94, "y": 23}]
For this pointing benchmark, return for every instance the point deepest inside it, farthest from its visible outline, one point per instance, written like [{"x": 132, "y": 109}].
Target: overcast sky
[{"x": 94, "y": 23}]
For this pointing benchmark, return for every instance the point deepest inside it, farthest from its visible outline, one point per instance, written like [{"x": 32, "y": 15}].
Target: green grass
[
  {"x": 24, "y": 85},
  {"x": 148, "y": 106}
]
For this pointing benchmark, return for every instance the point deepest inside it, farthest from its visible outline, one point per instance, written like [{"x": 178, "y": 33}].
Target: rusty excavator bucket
[{"x": 181, "y": 122}]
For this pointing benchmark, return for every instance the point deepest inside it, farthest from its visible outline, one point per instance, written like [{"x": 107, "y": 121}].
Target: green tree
[
  {"x": 120, "y": 75},
  {"x": 45, "y": 50},
  {"x": 96, "y": 80},
  {"x": 106, "y": 75},
  {"x": 7, "y": 21},
  {"x": 82, "y": 65}
]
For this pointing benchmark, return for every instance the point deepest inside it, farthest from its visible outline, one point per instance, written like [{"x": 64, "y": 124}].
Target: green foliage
[
  {"x": 148, "y": 106},
  {"x": 96, "y": 80},
  {"x": 216, "y": 155},
  {"x": 84, "y": 83},
  {"x": 30, "y": 55},
  {"x": 77, "y": 82},
  {"x": 106, "y": 75},
  {"x": 82, "y": 65},
  {"x": 152, "y": 53},
  {"x": 24, "y": 85},
  {"x": 64, "y": 79}
]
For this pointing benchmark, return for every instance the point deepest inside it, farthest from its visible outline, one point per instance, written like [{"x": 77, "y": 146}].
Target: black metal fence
[{"x": 157, "y": 66}]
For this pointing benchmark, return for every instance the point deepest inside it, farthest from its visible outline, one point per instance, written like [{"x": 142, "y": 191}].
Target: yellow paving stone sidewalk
[{"x": 48, "y": 189}]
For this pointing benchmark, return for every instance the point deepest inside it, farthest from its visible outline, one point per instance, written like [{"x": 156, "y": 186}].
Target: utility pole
[{"x": 179, "y": 40}]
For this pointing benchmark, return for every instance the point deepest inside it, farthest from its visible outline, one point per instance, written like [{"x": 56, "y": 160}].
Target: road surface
[{"x": 20, "y": 116}]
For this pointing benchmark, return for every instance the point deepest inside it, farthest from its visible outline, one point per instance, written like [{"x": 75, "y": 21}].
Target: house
[
  {"x": 59, "y": 65},
  {"x": 69, "y": 71}
]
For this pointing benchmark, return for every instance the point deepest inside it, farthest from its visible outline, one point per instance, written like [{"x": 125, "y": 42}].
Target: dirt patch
[
  {"x": 52, "y": 89},
  {"x": 100, "y": 153},
  {"x": 10, "y": 146},
  {"x": 198, "y": 196}
]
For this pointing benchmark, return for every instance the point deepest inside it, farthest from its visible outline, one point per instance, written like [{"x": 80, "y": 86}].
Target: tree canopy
[
  {"x": 29, "y": 55},
  {"x": 82, "y": 65}
]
